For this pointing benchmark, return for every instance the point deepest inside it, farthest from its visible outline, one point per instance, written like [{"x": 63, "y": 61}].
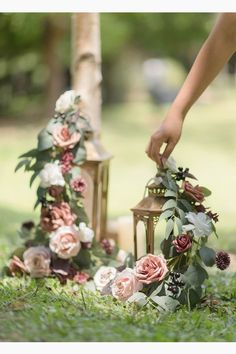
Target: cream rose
[
  {"x": 201, "y": 222},
  {"x": 65, "y": 241},
  {"x": 62, "y": 137},
  {"x": 151, "y": 268},
  {"x": 85, "y": 233},
  {"x": 66, "y": 102},
  {"x": 103, "y": 276},
  {"x": 125, "y": 285},
  {"x": 37, "y": 261},
  {"x": 51, "y": 175}
]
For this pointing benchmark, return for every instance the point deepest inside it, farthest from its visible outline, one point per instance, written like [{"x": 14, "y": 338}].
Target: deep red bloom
[{"x": 182, "y": 243}]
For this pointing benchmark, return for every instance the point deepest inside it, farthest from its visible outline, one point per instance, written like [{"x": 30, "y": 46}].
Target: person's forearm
[{"x": 217, "y": 49}]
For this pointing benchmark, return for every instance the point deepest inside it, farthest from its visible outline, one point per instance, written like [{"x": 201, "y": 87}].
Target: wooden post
[{"x": 86, "y": 65}]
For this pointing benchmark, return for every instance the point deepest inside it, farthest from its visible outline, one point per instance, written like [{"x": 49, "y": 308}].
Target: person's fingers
[
  {"x": 168, "y": 150},
  {"x": 155, "y": 151},
  {"x": 147, "y": 150}
]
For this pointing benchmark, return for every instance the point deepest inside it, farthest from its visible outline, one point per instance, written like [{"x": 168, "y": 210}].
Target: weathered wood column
[
  {"x": 87, "y": 77},
  {"x": 86, "y": 65}
]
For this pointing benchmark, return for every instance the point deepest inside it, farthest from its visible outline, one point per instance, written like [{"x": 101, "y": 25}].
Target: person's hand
[{"x": 169, "y": 132}]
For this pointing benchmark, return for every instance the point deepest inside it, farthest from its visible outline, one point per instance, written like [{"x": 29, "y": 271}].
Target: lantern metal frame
[
  {"x": 148, "y": 210},
  {"x": 97, "y": 167}
]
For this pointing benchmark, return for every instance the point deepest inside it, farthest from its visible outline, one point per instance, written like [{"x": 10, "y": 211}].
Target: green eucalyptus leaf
[
  {"x": 167, "y": 303},
  {"x": 205, "y": 191},
  {"x": 80, "y": 155},
  {"x": 179, "y": 224},
  {"x": 195, "y": 275},
  {"x": 138, "y": 298},
  {"x": 186, "y": 204},
  {"x": 30, "y": 153},
  {"x": 166, "y": 214},
  {"x": 169, "y": 228},
  {"x": 22, "y": 163},
  {"x": 34, "y": 175},
  {"x": 207, "y": 255},
  {"x": 181, "y": 215},
  {"x": 75, "y": 171},
  {"x": 171, "y": 203},
  {"x": 170, "y": 193},
  {"x": 45, "y": 140}
]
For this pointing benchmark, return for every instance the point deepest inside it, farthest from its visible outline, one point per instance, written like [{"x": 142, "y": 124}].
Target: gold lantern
[
  {"x": 95, "y": 171},
  {"x": 148, "y": 211}
]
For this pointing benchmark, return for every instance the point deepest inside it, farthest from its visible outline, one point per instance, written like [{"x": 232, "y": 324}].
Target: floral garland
[
  {"x": 62, "y": 244},
  {"x": 176, "y": 276}
]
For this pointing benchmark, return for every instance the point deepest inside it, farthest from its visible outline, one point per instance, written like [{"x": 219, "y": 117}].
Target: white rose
[
  {"x": 103, "y": 276},
  {"x": 85, "y": 233},
  {"x": 201, "y": 222},
  {"x": 66, "y": 102},
  {"x": 51, "y": 175},
  {"x": 37, "y": 261},
  {"x": 171, "y": 164},
  {"x": 65, "y": 242},
  {"x": 121, "y": 256}
]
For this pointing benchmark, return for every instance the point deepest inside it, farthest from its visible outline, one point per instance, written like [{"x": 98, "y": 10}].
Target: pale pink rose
[
  {"x": 37, "y": 261},
  {"x": 63, "y": 138},
  {"x": 65, "y": 242},
  {"x": 151, "y": 268},
  {"x": 125, "y": 285},
  {"x": 56, "y": 215},
  {"x": 16, "y": 266}
]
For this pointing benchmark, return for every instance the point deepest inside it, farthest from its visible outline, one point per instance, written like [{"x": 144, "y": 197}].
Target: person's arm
[{"x": 218, "y": 48}]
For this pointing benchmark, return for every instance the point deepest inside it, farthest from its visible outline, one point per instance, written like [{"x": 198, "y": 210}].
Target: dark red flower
[
  {"x": 222, "y": 260},
  {"x": 182, "y": 243},
  {"x": 194, "y": 192}
]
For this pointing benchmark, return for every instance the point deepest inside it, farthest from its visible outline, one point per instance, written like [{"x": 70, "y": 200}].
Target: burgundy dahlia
[
  {"x": 222, "y": 260},
  {"x": 66, "y": 161},
  {"x": 182, "y": 243}
]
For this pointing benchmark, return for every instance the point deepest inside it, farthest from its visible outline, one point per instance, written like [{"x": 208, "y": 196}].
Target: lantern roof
[
  {"x": 95, "y": 151},
  {"x": 152, "y": 204}
]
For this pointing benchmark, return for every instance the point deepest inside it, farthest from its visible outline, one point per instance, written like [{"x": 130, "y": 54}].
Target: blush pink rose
[
  {"x": 56, "y": 215},
  {"x": 65, "y": 242},
  {"x": 182, "y": 243},
  {"x": 125, "y": 285},
  {"x": 37, "y": 261},
  {"x": 151, "y": 268},
  {"x": 62, "y": 137}
]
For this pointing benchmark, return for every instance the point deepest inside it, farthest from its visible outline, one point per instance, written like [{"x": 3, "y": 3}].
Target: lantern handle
[{"x": 160, "y": 173}]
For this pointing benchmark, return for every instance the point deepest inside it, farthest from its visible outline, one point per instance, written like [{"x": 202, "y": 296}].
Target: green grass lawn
[
  {"x": 55, "y": 313},
  {"x": 48, "y": 312}
]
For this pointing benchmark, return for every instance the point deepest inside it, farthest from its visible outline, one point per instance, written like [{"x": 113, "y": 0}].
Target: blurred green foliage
[{"x": 35, "y": 52}]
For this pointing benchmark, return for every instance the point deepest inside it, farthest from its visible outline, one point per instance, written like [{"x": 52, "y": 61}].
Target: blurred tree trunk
[
  {"x": 53, "y": 34},
  {"x": 86, "y": 65}
]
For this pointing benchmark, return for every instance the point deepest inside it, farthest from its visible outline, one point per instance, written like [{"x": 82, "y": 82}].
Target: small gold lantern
[
  {"x": 95, "y": 171},
  {"x": 148, "y": 210}
]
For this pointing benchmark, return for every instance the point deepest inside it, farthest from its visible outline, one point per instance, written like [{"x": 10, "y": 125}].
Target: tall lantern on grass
[
  {"x": 148, "y": 211},
  {"x": 95, "y": 171}
]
